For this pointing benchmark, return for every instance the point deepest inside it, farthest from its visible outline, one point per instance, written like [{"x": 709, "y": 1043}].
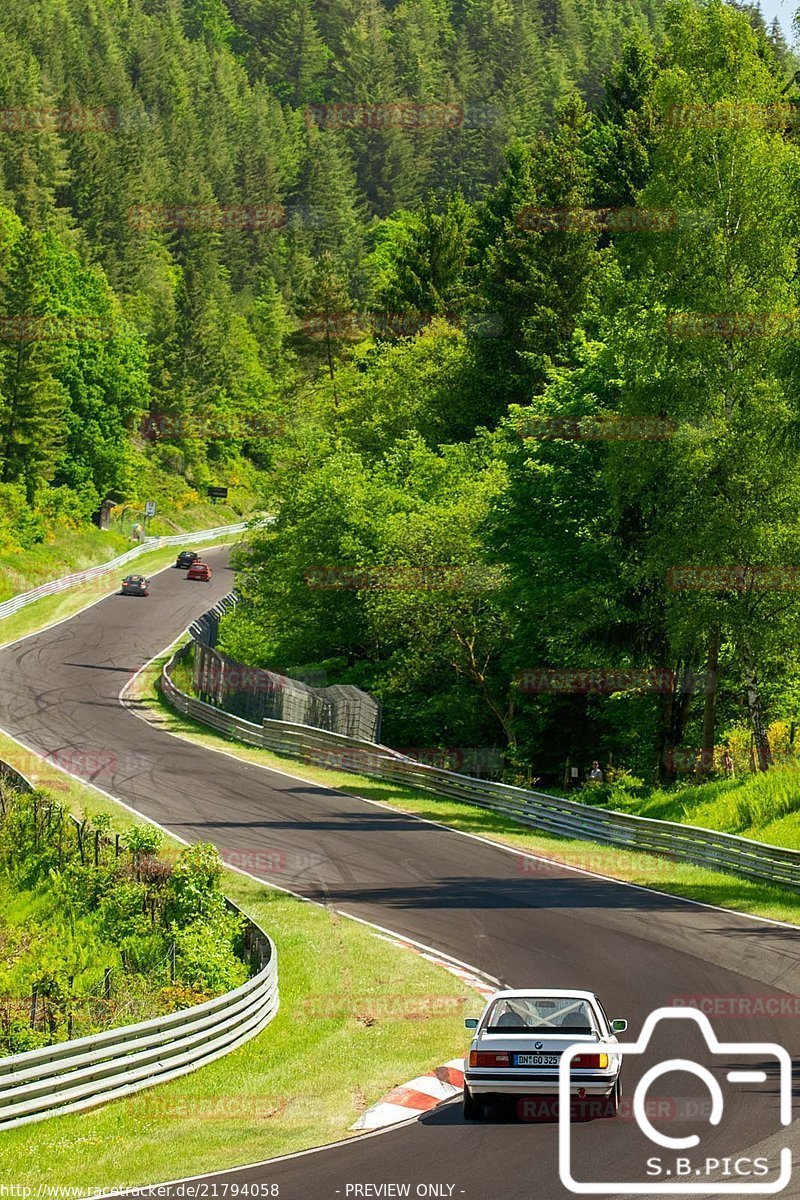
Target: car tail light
[
  {"x": 489, "y": 1058},
  {"x": 593, "y": 1061}
]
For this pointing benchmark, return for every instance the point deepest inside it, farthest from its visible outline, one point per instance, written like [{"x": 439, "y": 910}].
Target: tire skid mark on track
[{"x": 566, "y": 925}]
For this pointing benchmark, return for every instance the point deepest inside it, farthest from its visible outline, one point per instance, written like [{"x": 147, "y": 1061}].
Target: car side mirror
[
  {"x": 470, "y": 1022},
  {"x": 619, "y": 1026}
]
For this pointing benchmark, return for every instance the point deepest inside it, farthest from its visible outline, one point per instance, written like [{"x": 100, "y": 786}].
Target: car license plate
[{"x": 536, "y": 1060}]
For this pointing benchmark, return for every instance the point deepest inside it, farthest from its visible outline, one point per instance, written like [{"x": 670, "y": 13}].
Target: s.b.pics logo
[{"x": 749, "y": 1083}]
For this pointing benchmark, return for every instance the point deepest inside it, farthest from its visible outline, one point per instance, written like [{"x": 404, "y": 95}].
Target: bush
[
  {"x": 18, "y": 1036},
  {"x": 178, "y": 995},
  {"x": 69, "y": 506},
  {"x": 122, "y": 911},
  {"x": 195, "y": 885},
  {"x": 29, "y": 530},
  {"x": 146, "y": 954},
  {"x": 142, "y": 840},
  {"x": 620, "y": 789},
  {"x": 205, "y": 957},
  {"x": 65, "y": 920}
]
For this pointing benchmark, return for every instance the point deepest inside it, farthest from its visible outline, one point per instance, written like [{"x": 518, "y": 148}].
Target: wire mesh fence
[
  {"x": 256, "y": 694},
  {"x": 55, "y": 1011},
  {"x": 668, "y": 840}
]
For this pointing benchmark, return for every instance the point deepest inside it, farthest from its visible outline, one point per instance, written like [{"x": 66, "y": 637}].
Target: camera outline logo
[{"x": 698, "y": 1186}]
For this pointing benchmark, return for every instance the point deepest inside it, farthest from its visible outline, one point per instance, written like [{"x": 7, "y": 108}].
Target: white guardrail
[
  {"x": 53, "y": 586},
  {"x": 69, "y": 1076},
  {"x": 567, "y": 818}
]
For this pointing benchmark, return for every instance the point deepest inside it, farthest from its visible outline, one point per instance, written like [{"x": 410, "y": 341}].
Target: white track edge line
[
  {"x": 380, "y": 932},
  {"x": 380, "y": 804},
  {"x": 536, "y": 856}
]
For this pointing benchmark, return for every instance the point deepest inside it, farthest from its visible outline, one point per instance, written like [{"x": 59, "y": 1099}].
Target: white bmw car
[{"x": 518, "y": 1041}]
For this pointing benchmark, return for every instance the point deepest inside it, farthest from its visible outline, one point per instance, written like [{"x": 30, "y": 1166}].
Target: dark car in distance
[
  {"x": 199, "y": 570},
  {"x": 135, "y": 585},
  {"x": 186, "y": 559}
]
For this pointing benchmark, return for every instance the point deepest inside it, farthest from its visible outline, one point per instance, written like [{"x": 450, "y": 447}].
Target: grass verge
[
  {"x": 763, "y": 806},
  {"x": 341, "y": 1039},
  {"x": 647, "y": 870}
]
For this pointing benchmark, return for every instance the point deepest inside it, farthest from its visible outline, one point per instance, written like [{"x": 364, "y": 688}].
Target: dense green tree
[
  {"x": 420, "y": 259},
  {"x": 623, "y": 137},
  {"x": 32, "y": 399},
  {"x": 538, "y": 264}
]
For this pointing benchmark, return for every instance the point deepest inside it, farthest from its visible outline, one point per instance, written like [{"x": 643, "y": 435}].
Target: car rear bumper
[{"x": 533, "y": 1083}]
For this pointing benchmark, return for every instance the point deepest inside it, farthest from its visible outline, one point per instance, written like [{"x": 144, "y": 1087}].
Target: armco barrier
[
  {"x": 54, "y": 586},
  {"x": 70, "y": 1076},
  {"x": 9, "y": 777},
  {"x": 567, "y": 818}
]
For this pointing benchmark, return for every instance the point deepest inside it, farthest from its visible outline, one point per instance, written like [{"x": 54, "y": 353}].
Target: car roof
[
  {"x": 542, "y": 993},
  {"x": 131, "y": 577}
]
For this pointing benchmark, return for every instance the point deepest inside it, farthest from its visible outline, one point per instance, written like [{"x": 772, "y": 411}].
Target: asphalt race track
[{"x": 526, "y": 923}]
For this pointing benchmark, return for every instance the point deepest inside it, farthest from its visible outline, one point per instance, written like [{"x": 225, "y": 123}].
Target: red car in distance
[{"x": 199, "y": 570}]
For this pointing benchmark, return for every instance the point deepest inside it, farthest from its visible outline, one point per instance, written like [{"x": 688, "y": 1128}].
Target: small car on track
[
  {"x": 135, "y": 585},
  {"x": 186, "y": 559},
  {"x": 199, "y": 570},
  {"x": 518, "y": 1041}
]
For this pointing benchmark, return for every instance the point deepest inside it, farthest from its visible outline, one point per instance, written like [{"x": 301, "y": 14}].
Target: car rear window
[{"x": 556, "y": 1016}]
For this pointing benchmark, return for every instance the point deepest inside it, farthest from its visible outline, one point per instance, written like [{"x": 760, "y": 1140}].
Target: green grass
[
  {"x": 28, "y": 917},
  {"x": 75, "y": 550},
  {"x": 343, "y": 1037},
  {"x": 647, "y": 870},
  {"x": 764, "y": 806},
  {"x": 38, "y": 934}
]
